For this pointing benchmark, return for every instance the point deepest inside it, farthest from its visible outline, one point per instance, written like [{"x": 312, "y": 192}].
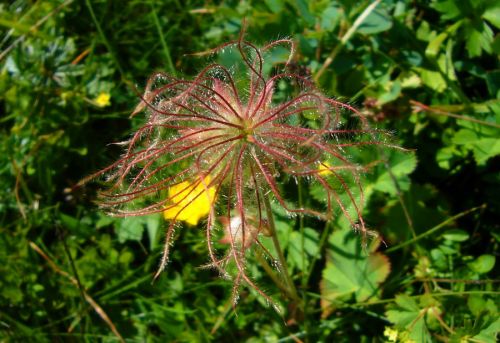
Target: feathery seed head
[{"x": 210, "y": 149}]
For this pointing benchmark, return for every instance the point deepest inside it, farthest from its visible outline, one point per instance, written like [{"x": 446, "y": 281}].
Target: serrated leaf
[
  {"x": 477, "y": 41},
  {"x": 351, "y": 272},
  {"x": 479, "y": 142},
  {"x": 435, "y": 44},
  {"x": 489, "y": 334},
  {"x": 449, "y": 9},
  {"x": 408, "y": 316},
  {"x": 492, "y": 15}
]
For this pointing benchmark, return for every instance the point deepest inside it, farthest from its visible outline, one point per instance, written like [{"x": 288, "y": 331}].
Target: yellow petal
[{"x": 190, "y": 201}]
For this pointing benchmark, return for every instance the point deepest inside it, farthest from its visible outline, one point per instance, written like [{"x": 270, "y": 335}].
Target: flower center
[{"x": 247, "y": 130}]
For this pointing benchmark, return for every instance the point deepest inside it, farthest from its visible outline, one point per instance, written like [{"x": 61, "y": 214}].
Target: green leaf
[
  {"x": 456, "y": 235},
  {"x": 377, "y": 21},
  {"x": 330, "y": 18},
  {"x": 402, "y": 164},
  {"x": 492, "y": 15},
  {"x": 407, "y": 315},
  {"x": 275, "y": 6},
  {"x": 130, "y": 228},
  {"x": 449, "y": 9},
  {"x": 303, "y": 9},
  {"x": 489, "y": 333},
  {"x": 393, "y": 90},
  {"x": 433, "y": 79},
  {"x": 482, "y": 145},
  {"x": 153, "y": 223},
  {"x": 446, "y": 155},
  {"x": 311, "y": 239},
  {"x": 493, "y": 82},
  {"x": 476, "y": 304},
  {"x": 483, "y": 264},
  {"x": 477, "y": 41},
  {"x": 351, "y": 272},
  {"x": 434, "y": 46},
  {"x": 445, "y": 64}
]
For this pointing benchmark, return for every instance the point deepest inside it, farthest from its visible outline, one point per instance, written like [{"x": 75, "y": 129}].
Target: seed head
[{"x": 219, "y": 145}]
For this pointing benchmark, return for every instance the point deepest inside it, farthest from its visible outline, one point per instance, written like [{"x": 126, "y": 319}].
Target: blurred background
[{"x": 427, "y": 71}]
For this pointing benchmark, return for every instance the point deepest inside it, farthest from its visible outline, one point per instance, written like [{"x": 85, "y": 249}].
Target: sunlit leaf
[
  {"x": 407, "y": 315},
  {"x": 351, "y": 272}
]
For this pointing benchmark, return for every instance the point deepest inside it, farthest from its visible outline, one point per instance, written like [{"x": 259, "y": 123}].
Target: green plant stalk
[
  {"x": 322, "y": 241},
  {"x": 166, "y": 50},
  {"x": 277, "y": 246},
  {"x": 437, "y": 110},
  {"x": 343, "y": 41},
  {"x": 434, "y": 229},
  {"x": 104, "y": 39},
  {"x": 304, "y": 276},
  {"x": 267, "y": 268}
]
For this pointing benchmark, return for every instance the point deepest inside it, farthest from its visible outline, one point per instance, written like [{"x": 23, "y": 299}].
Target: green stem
[
  {"x": 434, "y": 229},
  {"x": 322, "y": 242},
  {"x": 343, "y": 41},
  {"x": 166, "y": 50},
  {"x": 104, "y": 39},
  {"x": 304, "y": 276},
  {"x": 267, "y": 268},
  {"x": 277, "y": 246}
]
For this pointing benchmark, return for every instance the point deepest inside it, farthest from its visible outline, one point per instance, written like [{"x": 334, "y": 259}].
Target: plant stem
[
  {"x": 274, "y": 235},
  {"x": 304, "y": 276},
  {"x": 104, "y": 39},
  {"x": 166, "y": 50},
  {"x": 343, "y": 41},
  {"x": 267, "y": 268},
  {"x": 322, "y": 242},
  {"x": 433, "y": 109},
  {"x": 435, "y": 228}
]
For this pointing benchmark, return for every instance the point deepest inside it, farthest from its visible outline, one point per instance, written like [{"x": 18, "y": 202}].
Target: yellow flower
[
  {"x": 324, "y": 168},
  {"x": 102, "y": 99},
  {"x": 391, "y": 334},
  {"x": 191, "y": 201}
]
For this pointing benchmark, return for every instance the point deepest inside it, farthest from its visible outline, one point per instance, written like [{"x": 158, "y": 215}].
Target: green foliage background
[{"x": 426, "y": 70}]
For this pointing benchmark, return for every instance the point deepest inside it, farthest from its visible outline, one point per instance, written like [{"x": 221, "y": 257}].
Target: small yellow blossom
[
  {"x": 324, "y": 168},
  {"x": 189, "y": 204},
  {"x": 102, "y": 99},
  {"x": 391, "y": 334}
]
